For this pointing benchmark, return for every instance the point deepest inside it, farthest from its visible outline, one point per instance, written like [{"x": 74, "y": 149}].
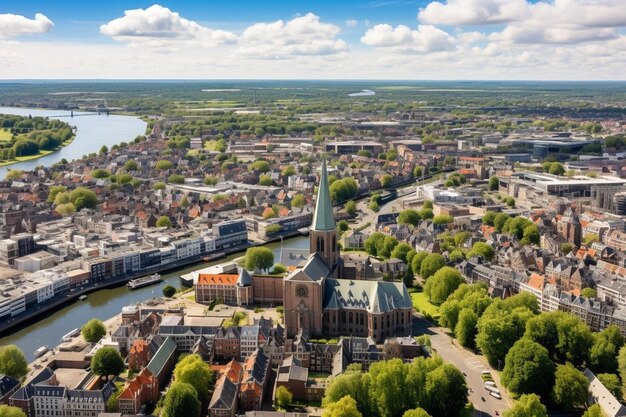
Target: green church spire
[{"x": 324, "y": 219}]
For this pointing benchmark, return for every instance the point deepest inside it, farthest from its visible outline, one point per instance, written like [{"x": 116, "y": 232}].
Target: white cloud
[
  {"x": 16, "y": 25},
  {"x": 158, "y": 22},
  {"x": 472, "y": 12},
  {"x": 426, "y": 38},
  {"x": 554, "y": 22},
  {"x": 352, "y": 22},
  {"x": 302, "y": 35}
]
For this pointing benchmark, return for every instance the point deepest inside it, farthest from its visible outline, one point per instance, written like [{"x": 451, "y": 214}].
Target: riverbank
[{"x": 41, "y": 154}]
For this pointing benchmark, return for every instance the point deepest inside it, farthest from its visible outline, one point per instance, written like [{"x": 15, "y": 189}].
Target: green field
[
  {"x": 421, "y": 304},
  {"x": 5, "y": 135}
]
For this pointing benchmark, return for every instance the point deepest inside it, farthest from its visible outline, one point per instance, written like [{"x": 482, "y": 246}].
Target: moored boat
[
  {"x": 133, "y": 284},
  {"x": 41, "y": 351}
]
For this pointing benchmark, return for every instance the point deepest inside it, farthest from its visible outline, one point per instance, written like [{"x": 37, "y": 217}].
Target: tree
[
  {"x": 417, "y": 171},
  {"x": 527, "y": 406},
  {"x": 500, "y": 326},
  {"x": 410, "y": 217},
  {"x": 401, "y": 251},
  {"x": 556, "y": 169},
  {"x": 195, "y": 372},
  {"x": 364, "y": 152},
  {"x": 298, "y": 201},
  {"x": 265, "y": 180},
  {"x": 100, "y": 173},
  {"x": 494, "y": 184},
  {"x": 416, "y": 412},
  {"x": 176, "y": 179},
  {"x": 288, "y": 171},
  {"x": 528, "y": 369},
  {"x": 350, "y": 207},
  {"x": 465, "y": 330},
  {"x": 107, "y": 361},
  {"x": 12, "y": 362},
  {"x": 54, "y": 191},
  {"x": 446, "y": 391},
  {"x": 260, "y": 166},
  {"x": 588, "y": 292},
  {"x": 621, "y": 361},
  {"x": 471, "y": 297},
  {"x": 164, "y": 165},
  {"x": 442, "y": 219},
  {"x": 605, "y": 348},
  {"x": 432, "y": 263},
  {"x": 442, "y": 284},
  {"x": 531, "y": 235},
  {"x": 181, "y": 400},
  {"x": 345, "y": 407},
  {"x": 258, "y": 258},
  {"x": 7, "y": 411},
  {"x": 499, "y": 220},
  {"x": 612, "y": 383},
  {"x": 164, "y": 221},
  {"x": 594, "y": 411},
  {"x": 284, "y": 398},
  {"x": 482, "y": 249},
  {"x": 385, "y": 180},
  {"x": 130, "y": 165},
  {"x": 343, "y": 225},
  {"x": 169, "y": 291},
  {"x": 83, "y": 197},
  {"x": 489, "y": 217},
  {"x": 93, "y": 331},
  {"x": 416, "y": 262},
  {"x": 159, "y": 185},
  {"x": 124, "y": 178},
  {"x": 570, "y": 387},
  {"x": 65, "y": 209},
  {"x": 103, "y": 150}
]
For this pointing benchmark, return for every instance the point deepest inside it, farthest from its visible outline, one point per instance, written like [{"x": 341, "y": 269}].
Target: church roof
[
  {"x": 244, "y": 279},
  {"x": 373, "y": 296},
  {"x": 323, "y": 219},
  {"x": 315, "y": 269}
]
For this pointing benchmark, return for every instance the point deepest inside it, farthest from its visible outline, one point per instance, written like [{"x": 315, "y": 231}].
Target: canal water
[
  {"x": 92, "y": 131},
  {"x": 105, "y": 303}
]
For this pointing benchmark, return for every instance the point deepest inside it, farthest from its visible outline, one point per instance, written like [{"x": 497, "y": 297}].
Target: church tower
[{"x": 323, "y": 233}]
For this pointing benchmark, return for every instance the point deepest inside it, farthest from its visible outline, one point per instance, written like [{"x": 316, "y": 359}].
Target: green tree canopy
[
  {"x": 410, "y": 217},
  {"x": 164, "y": 221},
  {"x": 417, "y": 260},
  {"x": 385, "y": 180},
  {"x": 93, "y": 331},
  {"x": 432, "y": 263},
  {"x": 401, "y": 251},
  {"x": 164, "y": 165},
  {"x": 106, "y": 362},
  {"x": 489, "y": 218},
  {"x": 260, "y": 166},
  {"x": 528, "y": 369},
  {"x": 442, "y": 284},
  {"x": 482, "y": 249},
  {"x": 612, "y": 383},
  {"x": 465, "y": 330},
  {"x": 571, "y": 387},
  {"x": 195, "y": 372},
  {"x": 83, "y": 197},
  {"x": 7, "y": 411},
  {"x": 181, "y": 400},
  {"x": 493, "y": 184},
  {"x": 527, "y": 406},
  {"x": 12, "y": 362},
  {"x": 594, "y": 411},
  {"x": 605, "y": 348},
  {"x": 169, "y": 291},
  {"x": 416, "y": 412},
  {"x": 443, "y": 219},
  {"x": 258, "y": 258},
  {"x": 350, "y": 207},
  {"x": 130, "y": 165},
  {"x": 556, "y": 169},
  {"x": 298, "y": 201},
  {"x": 284, "y": 398}
]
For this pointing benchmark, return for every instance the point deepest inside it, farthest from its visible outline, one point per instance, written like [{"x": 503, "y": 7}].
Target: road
[{"x": 469, "y": 363}]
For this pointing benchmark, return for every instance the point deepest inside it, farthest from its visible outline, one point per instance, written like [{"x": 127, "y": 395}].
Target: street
[{"x": 469, "y": 363}]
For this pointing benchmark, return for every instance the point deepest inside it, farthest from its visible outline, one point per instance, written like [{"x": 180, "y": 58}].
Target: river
[
  {"x": 106, "y": 303},
  {"x": 92, "y": 131}
]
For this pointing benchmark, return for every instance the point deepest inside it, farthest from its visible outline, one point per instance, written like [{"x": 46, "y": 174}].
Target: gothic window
[
  {"x": 334, "y": 243},
  {"x": 320, "y": 244},
  {"x": 301, "y": 291}
]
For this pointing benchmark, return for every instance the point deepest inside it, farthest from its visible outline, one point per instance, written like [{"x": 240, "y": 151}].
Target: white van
[
  {"x": 490, "y": 384},
  {"x": 495, "y": 395},
  {"x": 493, "y": 389}
]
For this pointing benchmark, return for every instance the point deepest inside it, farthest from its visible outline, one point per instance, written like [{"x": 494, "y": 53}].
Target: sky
[{"x": 323, "y": 39}]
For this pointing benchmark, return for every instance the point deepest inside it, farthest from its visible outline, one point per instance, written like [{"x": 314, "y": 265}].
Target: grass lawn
[
  {"x": 5, "y": 135},
  {"x": 27, "y": 158},
  {"x": 421, "y": 304},
  {"x": 210, "y": 145}
]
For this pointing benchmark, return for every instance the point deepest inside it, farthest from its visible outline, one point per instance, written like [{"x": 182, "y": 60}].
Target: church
[{"x": 319, "y": 303}]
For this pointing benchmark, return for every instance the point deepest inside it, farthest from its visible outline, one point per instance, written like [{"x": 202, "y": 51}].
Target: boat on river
[
  {"x": 41, "y": 351},
  {"x": 67, "y": 337},
  {"x": 82, "y": 297},
  {"x": 133, "y": 284}
]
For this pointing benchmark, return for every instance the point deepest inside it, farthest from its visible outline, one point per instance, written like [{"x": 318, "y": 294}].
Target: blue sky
[{"x": 385, "y": 39}]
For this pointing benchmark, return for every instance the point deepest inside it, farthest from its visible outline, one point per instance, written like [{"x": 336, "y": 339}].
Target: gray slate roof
[{"x": 373, "y": 296}]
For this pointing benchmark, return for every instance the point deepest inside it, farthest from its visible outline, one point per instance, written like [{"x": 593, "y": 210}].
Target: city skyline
[{"x": 395, "y": 39}]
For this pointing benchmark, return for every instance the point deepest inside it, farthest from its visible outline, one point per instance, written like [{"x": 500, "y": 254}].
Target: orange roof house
[{"x": 217, "y": 279}]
